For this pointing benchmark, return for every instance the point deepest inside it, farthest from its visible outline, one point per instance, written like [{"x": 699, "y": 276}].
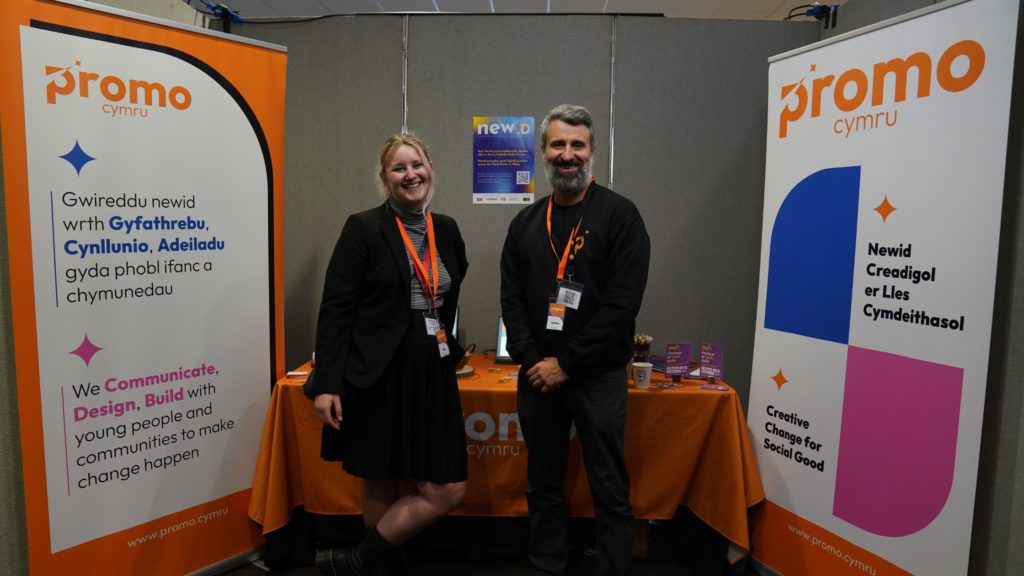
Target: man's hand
[
  {"x": 328, "y": 409},
  {"x": 547, "y": 375}
]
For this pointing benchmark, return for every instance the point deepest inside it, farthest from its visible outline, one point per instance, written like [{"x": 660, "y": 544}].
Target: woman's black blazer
[{"x": 365, "y": 307}]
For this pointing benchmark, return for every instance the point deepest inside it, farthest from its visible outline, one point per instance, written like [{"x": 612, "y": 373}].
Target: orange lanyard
[
  {"x": 564, "y": 260},
  {"x": 422, "y": 273}
]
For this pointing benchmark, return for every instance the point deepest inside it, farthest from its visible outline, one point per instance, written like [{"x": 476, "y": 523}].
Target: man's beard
[{"x": 567, "y": 182}]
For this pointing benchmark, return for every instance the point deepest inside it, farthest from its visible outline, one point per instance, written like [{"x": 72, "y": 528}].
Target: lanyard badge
[
  {"x": 423, "y": 269},
  {"x": 567, "y": 293},
  {"x": 442, "y": 343},
  {"x": 426, "y": 273},
  {"x": 556, "y": 316},
  {"x": 435, "y": 328}
]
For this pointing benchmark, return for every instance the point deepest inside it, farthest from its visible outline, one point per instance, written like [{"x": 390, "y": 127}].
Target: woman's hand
[{"x": 328, "y": 409}]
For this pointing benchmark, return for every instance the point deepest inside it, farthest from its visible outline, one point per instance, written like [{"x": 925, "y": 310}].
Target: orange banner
[
  {"x": 790, "y": 544},
  {"x": 132, "y": 441}
]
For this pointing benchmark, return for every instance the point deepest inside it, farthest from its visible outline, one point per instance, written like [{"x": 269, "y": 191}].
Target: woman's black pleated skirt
[{"x": 409, "y": 425}]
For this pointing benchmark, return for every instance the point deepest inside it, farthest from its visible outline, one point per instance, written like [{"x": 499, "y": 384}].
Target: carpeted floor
[{"x": 460, "y": 546}]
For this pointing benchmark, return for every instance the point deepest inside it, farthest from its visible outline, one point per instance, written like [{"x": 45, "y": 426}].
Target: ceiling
[{"x": 731, "y": 9}]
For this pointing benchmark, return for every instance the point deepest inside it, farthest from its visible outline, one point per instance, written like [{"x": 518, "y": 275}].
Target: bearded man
[{"x": 573, "y": 273}]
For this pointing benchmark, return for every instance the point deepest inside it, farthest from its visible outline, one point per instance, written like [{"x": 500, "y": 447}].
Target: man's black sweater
[{"x": 611, "y": 255}]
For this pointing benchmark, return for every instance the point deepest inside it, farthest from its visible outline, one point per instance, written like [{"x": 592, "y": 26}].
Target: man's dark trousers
[{"x": 597, "y": 405}]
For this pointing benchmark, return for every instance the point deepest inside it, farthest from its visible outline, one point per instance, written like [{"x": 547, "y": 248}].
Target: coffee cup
[{"x": 642, "y": 374}]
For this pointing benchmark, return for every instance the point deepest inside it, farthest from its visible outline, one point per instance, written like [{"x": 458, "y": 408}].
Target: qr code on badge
[
  {"x": 522, "y": 177},
  {"x": 569, "y": 298}
]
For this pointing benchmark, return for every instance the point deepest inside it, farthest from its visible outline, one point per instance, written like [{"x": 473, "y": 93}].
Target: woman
[{"x": 385, "y": 385}]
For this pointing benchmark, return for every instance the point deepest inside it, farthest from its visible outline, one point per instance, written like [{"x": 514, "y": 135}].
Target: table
[{"x": 685, "y": 446}]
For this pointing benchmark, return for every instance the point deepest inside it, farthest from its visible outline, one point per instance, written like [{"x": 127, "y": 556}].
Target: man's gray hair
[{"x": 571, "y": 114}]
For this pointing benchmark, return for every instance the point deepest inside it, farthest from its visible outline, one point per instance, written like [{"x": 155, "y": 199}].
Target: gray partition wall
[
  {"x": 686, "y": 99},
  {"x": 343, "y": 99},
  {"x": 690, "y": 140},
  {"x": 517, "y": 66}
]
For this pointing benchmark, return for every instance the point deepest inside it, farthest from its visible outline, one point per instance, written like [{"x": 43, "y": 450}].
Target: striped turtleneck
[{"x": 415, "y": 223}]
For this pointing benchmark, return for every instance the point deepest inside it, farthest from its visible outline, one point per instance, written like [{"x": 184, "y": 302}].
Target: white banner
[{"x": 884, "y": 181}]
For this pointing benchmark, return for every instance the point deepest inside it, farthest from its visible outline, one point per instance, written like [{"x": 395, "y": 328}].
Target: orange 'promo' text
[
  {"x": 849, "y": 91},
  {"x": 124, "y": 97}
]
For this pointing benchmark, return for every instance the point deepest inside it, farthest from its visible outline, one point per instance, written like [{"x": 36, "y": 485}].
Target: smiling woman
[
  {"x": 385, "y": 384},
  {"x": 406, "y": 172}
]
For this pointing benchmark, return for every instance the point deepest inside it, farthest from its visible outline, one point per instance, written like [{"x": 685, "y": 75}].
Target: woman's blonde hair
[{"x": 394, "y": 143}]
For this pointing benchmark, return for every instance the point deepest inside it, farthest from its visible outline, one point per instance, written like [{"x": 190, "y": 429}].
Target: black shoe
[
  {"x": 334, "y": 562},
  {"x": 374, "y": 551},
  {"x": 399, "y": 564}
]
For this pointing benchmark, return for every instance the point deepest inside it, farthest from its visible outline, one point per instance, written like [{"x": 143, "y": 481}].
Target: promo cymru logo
[
  {"x": 955, "y": 70},
  {"x": 121, "y": 96}
]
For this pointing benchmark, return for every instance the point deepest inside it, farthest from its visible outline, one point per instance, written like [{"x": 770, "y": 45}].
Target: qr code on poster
[{"x": 522, "y": 177}]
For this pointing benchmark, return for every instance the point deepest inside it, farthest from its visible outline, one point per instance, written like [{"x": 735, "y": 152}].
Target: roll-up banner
[
  {"x": 142, "y": 176},
  {"x": 884, "y": 184}
]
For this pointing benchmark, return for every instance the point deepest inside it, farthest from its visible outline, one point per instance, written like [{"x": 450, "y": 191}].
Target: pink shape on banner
[
  {"x": 897, "y": 444},
  {"x": 86, "y": 350}
]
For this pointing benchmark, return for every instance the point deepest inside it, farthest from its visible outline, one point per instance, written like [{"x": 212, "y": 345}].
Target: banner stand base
[
  {"x": 760, "y": 568},
  {"x": 229, "y": 564}
]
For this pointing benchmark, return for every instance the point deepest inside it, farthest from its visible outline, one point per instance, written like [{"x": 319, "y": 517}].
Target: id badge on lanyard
[
  {"x": 427, "y": 275},
  {"x": 569, "y": 293},
  {"x": 435, "y": 328},
  {"x": 556, "y": 316}
]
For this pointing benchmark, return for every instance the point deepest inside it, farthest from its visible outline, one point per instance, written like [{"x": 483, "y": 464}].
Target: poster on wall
[
  {"x": 142, "y": 175},
  {"x": 503, "y": 169},
  {"x": 883, "y": 195}
]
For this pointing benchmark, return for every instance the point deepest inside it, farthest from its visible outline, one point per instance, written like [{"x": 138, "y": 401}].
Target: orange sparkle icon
[
  {"x": 780, "y": 379},
  {"x": 885, "y": 208}
]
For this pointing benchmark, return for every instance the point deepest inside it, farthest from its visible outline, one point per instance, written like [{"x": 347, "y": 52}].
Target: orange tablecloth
[{"x": 684, "y": 447}]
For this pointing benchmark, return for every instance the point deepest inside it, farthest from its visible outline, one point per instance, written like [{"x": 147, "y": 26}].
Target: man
[{"x": 573, "y": 273}]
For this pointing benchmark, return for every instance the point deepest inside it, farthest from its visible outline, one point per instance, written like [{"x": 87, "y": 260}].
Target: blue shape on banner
[
  {"x": 810, "y": 264},
  {"x": 77, "y": 158},
  {"x": 86, "y": 350}
]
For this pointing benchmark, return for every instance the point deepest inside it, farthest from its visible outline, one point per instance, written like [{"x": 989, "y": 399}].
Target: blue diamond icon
[{"x": 77, "y": 158}]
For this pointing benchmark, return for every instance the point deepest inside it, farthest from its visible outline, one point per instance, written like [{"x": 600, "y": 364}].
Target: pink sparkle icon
[{"x": 86, "y": 350}]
